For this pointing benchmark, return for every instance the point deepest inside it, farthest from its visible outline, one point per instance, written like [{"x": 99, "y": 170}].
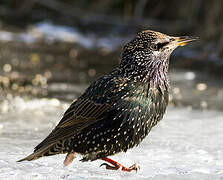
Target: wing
[
  {"x": 80, "y": 114},
  {"x": 88, "y": 109}
]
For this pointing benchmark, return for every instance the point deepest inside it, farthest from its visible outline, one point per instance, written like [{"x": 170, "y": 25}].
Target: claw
[
  {"x": 134, "y": 167},
  {"x": 117, "y": 166},
  {"x": 107, "y": 166}
]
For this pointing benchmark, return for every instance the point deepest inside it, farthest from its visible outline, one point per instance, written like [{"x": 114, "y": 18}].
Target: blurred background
[
  {"x": 51, "y": 50},
  {"x": 55, "y": 48}
]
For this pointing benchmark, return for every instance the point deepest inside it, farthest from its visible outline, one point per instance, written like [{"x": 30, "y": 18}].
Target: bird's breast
[{"x": 139, "y": 110}]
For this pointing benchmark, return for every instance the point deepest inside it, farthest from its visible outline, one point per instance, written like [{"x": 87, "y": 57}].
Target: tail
[
  {"x": 44, "y": 151},
  {"x": 31, "y": 157},
  {"x": 53, "y": 144}
]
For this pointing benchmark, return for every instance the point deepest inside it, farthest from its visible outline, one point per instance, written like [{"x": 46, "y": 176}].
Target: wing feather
[
  {"x": 81, "y": 115},
  {"x": 88, "y": 109}
]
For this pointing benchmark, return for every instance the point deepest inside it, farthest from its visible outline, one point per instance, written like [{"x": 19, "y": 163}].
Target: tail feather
[
  {"x": 29, "y": 158},
  {"x": 44, "y": 151}
]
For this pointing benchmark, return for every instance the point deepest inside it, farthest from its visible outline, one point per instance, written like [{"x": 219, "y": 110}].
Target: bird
[{"x": 117, "y": 111}]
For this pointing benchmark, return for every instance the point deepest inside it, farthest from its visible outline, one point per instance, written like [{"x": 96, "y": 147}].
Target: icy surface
[{"x": 187, "y": 144}]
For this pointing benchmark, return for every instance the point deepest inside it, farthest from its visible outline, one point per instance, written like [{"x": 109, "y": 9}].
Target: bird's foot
[{"x": 117, "y": 166}]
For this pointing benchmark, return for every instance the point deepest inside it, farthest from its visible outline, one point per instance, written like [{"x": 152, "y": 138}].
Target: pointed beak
[{"x": 183, "y": 40}]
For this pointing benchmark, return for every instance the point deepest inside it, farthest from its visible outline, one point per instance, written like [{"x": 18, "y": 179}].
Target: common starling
[{"x": 118, "y": 110}]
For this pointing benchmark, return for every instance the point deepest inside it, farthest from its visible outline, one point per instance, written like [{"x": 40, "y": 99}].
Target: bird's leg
[
  {"x": 116, "y": 165},
  {"x": 69, "y": 158}
]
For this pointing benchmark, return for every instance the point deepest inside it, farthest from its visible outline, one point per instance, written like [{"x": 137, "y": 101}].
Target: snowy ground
[{"x": 187, "y": 144}]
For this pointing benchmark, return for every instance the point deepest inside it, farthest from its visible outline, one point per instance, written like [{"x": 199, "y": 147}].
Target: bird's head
[{"x": 150, "y": 48}]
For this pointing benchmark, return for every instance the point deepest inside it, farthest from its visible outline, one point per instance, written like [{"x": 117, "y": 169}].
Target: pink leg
[{"x": 69, "y": 158}]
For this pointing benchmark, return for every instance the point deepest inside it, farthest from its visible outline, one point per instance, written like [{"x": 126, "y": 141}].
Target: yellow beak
[{"x": 183, "y": 40}]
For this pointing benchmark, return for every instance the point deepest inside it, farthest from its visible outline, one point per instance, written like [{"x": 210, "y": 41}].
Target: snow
[
  {"x": 50, "y": 33},
  {"x": 70, "y": 34},
  {"x": 186, "y": 144}
]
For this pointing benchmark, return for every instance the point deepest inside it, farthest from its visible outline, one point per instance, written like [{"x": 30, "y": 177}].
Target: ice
[{"x": 186, "y": 144}]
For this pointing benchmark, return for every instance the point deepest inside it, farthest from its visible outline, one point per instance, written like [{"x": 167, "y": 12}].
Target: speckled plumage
[{"x": 119, "y": 109}]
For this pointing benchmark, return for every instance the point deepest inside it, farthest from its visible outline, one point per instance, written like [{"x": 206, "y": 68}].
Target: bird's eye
[
  {"x": 155, "y": 47},
  {"x": 158, "y": 46}
]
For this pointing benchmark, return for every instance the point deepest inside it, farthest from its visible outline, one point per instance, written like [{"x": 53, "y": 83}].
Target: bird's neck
[
  {"x": 157, "y": 75},
  {"x": 146, "y": 71}
]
